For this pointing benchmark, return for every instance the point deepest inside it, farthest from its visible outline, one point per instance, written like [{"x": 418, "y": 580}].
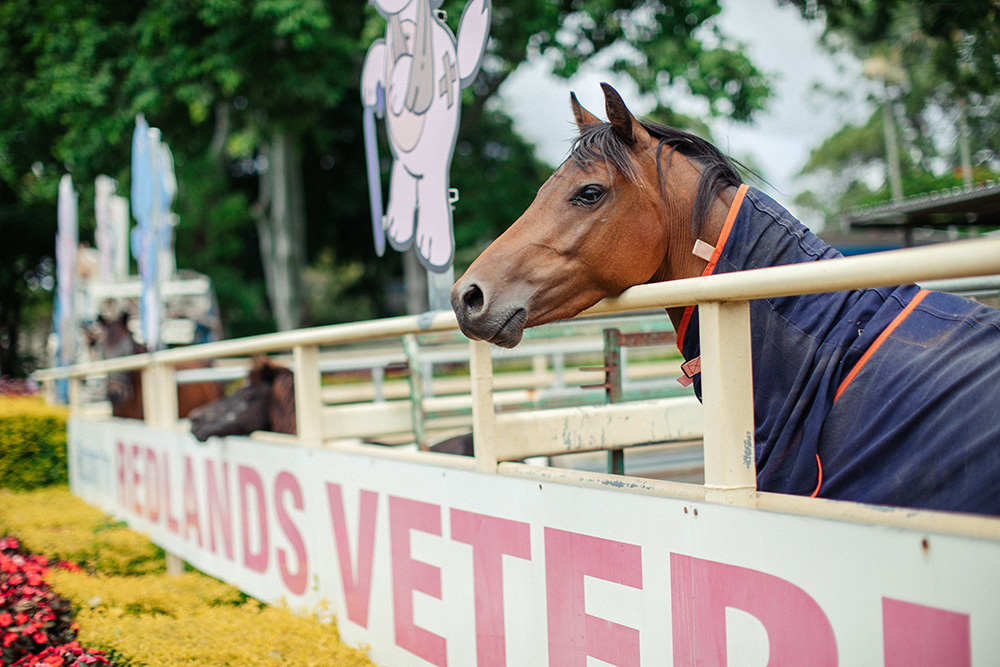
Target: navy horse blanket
[{"x": 887, "y": 395}]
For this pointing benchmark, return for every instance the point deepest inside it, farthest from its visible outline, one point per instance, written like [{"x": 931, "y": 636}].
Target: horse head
[
  {"x": 610, "y": 217},
  {"x": 265, "y": 402},
  {"x": 114, "y": 339}
]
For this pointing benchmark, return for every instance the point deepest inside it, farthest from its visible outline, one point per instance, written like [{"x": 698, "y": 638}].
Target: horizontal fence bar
[
  {"x": 978, "y": 257},
  {"x": 594, "y": 428}
]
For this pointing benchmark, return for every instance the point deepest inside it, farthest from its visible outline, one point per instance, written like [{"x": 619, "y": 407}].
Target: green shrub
[{"x": 32, "y": 443}]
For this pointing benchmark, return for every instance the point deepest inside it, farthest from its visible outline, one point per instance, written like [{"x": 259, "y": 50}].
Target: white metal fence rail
[{"x": 500, "y": 439}]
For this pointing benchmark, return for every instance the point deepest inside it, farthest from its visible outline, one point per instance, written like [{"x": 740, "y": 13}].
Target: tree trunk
[
  {"x": 963, "y": 144},
  {"x": 891, "y": 148},
  {"x": 415, "y": 282},
  {"x": 280, "y": 217}
]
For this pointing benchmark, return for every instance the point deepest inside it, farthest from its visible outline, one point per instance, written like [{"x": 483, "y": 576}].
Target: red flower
[
  {"x": 40, "y": 638},
  {"x": 6, "y": 619},
  {"x": 9, "y": 638}
]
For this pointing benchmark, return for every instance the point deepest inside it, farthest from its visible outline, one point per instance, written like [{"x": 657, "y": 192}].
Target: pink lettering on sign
[
  {"x": 491, "y": 538},
  {"x": 357, "y": 585},
  {"x": 249, "y": 481},
  {"x": 134, "y": 464},
  {"x": 191, "y": 518},
  {"x": 122, "y": 477},
  {"x": 410, "y": 575},
  {"x": 798, "y": 631},
  {"x": 573, "y": 633},
  {"x": 219, "y": 515},
  {"x": 919, "y": 636},
  {"x": 294, "y": 580},
  {"x": 153, "y": 474},
  {"x": 172, "y": 524}
]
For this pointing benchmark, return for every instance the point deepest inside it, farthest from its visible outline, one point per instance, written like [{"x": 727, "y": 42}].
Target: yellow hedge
[
  {"x": 32, "y": 443},
  {"x": 192, "y": 619},
  {"x": 56, "y": 523},
  {"x": 157, "y": 619}
]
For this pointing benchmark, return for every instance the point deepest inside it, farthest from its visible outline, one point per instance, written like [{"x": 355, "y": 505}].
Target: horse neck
[
  {"x": 132, "y": 407},
  {"x": 681, "y": 184},
  {"x": 281, "y": 410}
]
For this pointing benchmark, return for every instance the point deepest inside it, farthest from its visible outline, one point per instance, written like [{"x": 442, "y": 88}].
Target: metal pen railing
[{"x": 726, "y": 371}]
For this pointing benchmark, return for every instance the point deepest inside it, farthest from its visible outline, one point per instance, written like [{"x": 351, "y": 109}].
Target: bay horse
[
  {"x": 266, "y": 402},
  {"x": 114, "y": 339},
  {"x": 885, "y": 395}
]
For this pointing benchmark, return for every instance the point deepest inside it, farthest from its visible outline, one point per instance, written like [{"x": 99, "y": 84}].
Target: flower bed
[
  {"x": 129, "y": 609},
  {"x": 36, "y": 624}
]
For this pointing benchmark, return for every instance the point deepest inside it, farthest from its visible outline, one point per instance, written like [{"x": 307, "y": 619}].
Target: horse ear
[
  {"x": 266, "y": 370},
  {"x": 583, "y": 117},
  {"x": 625, "y": 124}
]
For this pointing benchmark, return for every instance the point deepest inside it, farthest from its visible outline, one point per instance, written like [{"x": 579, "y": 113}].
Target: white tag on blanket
[{"x": 703, "y": 250}]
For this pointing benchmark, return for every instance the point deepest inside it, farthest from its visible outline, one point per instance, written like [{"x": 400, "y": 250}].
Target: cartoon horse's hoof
[
  {"x": 437, "y": 250},
  {"x": 399, "y": 229}
]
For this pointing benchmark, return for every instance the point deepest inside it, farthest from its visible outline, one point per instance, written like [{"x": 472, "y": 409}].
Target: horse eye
[{"x": 588, "y": 195}]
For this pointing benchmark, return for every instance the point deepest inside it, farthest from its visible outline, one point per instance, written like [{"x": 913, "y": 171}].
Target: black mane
[{"x": 600, "y": 143}]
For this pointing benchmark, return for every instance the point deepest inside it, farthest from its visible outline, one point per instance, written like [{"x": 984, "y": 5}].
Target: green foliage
[
  {"x": 929, "y": 74},
  {"x": 223, "y": 78},
  {"x": 850, "y": 145},
  {"x": 32, "y": 443},
  {"x": 962, "y": 37}
]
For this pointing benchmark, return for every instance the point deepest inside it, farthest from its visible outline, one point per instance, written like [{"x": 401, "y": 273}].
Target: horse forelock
[{"x": 599, "y": 143}]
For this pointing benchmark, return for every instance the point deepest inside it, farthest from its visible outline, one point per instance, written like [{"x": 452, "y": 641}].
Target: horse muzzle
[{"x": 481, "y": 320}]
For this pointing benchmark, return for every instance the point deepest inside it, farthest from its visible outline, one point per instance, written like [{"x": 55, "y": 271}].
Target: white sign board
[{"x": 437, "y": 566}]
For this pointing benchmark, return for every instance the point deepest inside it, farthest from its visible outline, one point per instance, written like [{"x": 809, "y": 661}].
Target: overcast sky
[{"x": 778, "y": 40}]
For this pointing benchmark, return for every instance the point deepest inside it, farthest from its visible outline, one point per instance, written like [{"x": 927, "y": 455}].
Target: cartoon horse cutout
[
  {"x": 883, "y": 395},
  {"x": 415, "y": 75}
]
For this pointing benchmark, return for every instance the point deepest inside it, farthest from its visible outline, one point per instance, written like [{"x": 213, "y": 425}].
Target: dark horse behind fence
[
  {"x": 113, "y": 339},
  {"x": 266, "y": 402},
  {"x": 886, "y": 395}
]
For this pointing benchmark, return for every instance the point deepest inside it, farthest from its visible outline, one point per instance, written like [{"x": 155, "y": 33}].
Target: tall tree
[
  {"x": 936, "y": 101},
  {"x": 259, "y": 101}
]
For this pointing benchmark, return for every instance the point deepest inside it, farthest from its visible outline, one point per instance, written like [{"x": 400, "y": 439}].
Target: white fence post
[
  {"x": 727, "y": 397},
  {"x": 483, "y": 416},
  {"x": 159, "y": 395},
  {"x": 308, "y": 402}
]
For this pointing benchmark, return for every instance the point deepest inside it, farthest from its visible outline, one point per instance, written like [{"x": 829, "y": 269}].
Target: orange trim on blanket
[
  {"x": 727, "y": 227},
  {"x": 878, "y": 341},
  {"x": 819, "y": 480}
]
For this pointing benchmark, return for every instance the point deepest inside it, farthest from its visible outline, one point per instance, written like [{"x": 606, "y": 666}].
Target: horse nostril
[{"x": 473, "y": 299}]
